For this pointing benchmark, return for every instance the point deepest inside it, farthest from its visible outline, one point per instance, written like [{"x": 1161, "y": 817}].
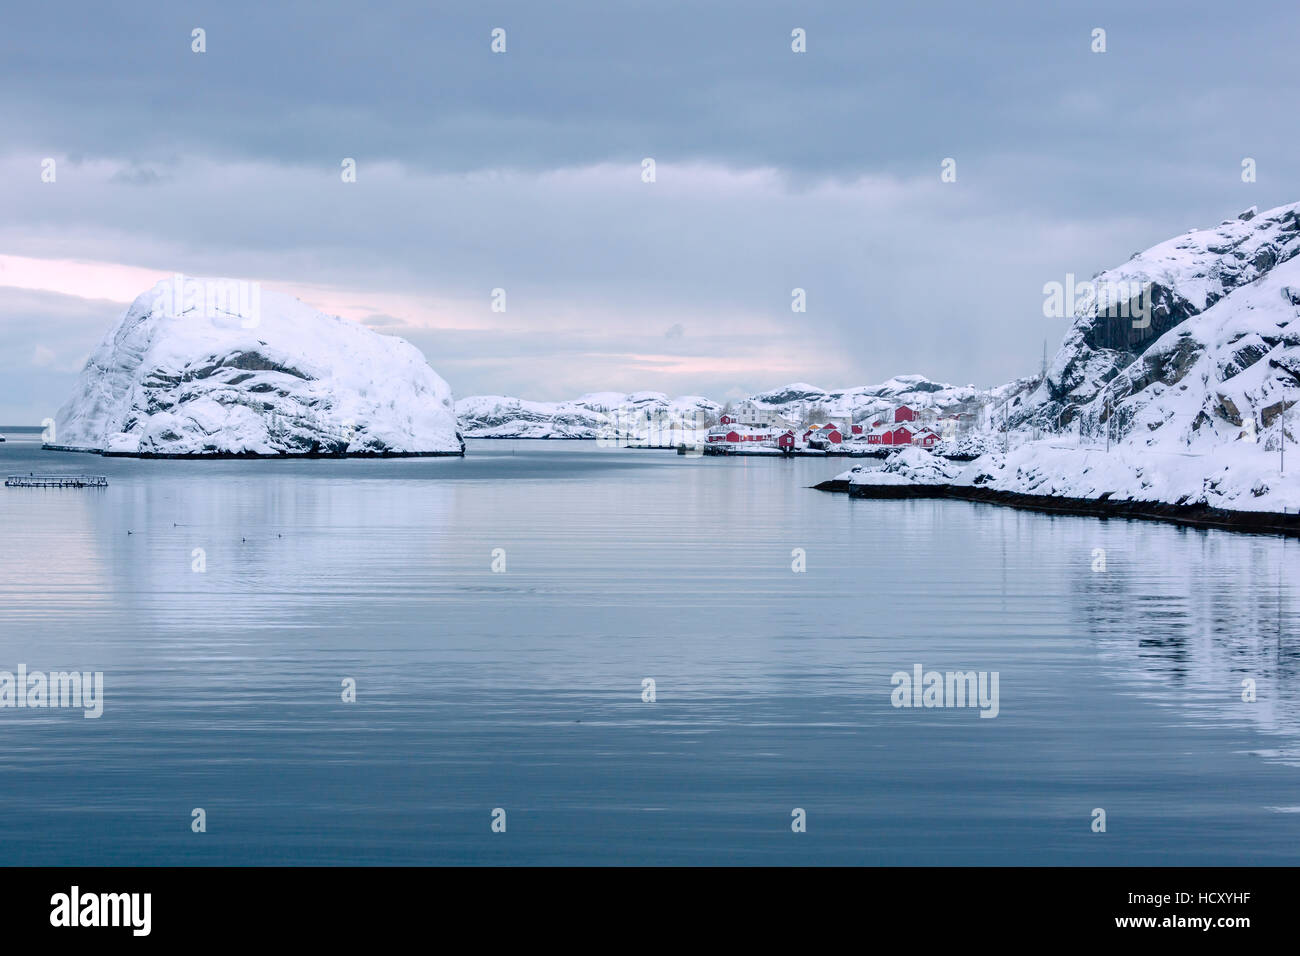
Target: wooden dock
[{"x": 56, "y": 481}]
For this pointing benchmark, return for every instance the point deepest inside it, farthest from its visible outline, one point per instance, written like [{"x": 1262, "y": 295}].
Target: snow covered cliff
[
  {"x": 213, "y": 367},
  {"x": 861, "y": 403},
  {"x": 1234, "y": 275},
  {"x": 1196, "y": 398}
]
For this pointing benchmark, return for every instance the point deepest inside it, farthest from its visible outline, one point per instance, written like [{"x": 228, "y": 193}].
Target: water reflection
[{"x": 523, "y": 688}]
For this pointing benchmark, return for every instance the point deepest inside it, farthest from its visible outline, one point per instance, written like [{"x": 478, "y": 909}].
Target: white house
[{"x": 749, "y": 412}]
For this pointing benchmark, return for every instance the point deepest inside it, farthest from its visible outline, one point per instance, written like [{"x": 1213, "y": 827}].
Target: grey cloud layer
[{"x": 479, "y": 171}]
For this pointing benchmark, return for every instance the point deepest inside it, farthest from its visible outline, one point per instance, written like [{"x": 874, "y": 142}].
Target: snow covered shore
[
  {"x": 1250, "y": 483},
  {"x": 1199, "y": 405}
]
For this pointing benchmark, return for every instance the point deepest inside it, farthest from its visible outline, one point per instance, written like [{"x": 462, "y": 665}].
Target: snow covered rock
[
  {"x": 642, "y": 417},
  {"x": 1185, "y": 277},
  {"x": 801, "y": 402},
  {"x": 1191, "y": 409},
  {"x": 910, "y": 466},
  {"x": 217, "y": 367}
]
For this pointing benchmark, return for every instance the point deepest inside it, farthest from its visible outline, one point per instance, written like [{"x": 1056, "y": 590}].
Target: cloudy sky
[{"x": 523, "y": 171}]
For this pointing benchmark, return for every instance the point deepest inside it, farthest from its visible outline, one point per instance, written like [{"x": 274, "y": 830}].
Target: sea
[{"x": 550, "y": 652}]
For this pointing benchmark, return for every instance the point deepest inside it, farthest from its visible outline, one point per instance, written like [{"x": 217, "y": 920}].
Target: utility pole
[{"x": 1108, "y": 418}]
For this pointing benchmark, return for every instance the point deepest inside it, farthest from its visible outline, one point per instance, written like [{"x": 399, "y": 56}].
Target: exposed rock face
[
  {"x": 206, "y": 367},
  {"x": 1186, "y": 277},
  {"x": 1193, "y": 417}
]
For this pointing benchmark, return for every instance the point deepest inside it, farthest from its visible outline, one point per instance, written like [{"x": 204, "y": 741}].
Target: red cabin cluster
[
  {"x": 902, "y": 427},
  {"x": 903, "y": 430}
]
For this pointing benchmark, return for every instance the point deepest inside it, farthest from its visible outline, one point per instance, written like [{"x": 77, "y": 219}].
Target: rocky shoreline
[
  {"x": 250, "y": 456},
  {"x": 1194, "y": 516}
]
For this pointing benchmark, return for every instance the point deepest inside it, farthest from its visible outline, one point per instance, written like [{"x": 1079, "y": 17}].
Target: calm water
[{"x": 522, "y": 690}]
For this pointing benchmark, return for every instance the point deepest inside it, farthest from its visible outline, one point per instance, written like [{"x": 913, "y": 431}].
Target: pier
[{"x": 56, "y": 481}]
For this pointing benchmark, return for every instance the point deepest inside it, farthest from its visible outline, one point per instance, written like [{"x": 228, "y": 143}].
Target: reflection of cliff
[
  {"x": 276, "y": 547},
  {"x": 1187, "y": 627}
]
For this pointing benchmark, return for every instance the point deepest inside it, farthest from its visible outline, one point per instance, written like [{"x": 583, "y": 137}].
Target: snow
[
  {"x": 1197, "y": 415},
  {"x": 259, "y": 373},
  {"x": 593, "y": 415},
  {"x": 638, "y": 416},
  {"x": 1188, "y": 275},
  {"x": 908, "y": 466},
  {"x": 1249, "y": 482}
]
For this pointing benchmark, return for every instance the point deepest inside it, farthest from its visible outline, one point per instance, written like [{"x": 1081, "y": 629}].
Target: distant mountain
[
  {"x": 590, "y": 416},
  {"x": 864, "y": 401},
  {"x": 494, "y": 416}
]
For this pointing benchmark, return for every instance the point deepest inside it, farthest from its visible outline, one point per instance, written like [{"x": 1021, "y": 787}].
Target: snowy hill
[
  {"x": 1193, "y": 404},
  {"x": 1186, "y": 276},
  {"x": 494, "y": 416},
  {"x": 597, "y": 415},
  {"x": 865, "y": 401},
  {"x": 215, "y": 367}
]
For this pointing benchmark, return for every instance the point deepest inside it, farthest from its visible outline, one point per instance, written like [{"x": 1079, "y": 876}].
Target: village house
[
  {"x": 902, "y": 426},
  {"x": 830, "y": 432},
  {"x": 749, "y": 412},
  {"x": 738, "y": 434},
  {"x": 890, "y": 435}
]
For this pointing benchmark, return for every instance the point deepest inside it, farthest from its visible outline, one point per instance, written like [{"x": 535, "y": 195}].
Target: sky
[{"x": 522, "y": 170}]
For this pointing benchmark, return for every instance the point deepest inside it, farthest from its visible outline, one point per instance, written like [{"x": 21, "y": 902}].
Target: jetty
[{"x": 56, "y": 481}]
